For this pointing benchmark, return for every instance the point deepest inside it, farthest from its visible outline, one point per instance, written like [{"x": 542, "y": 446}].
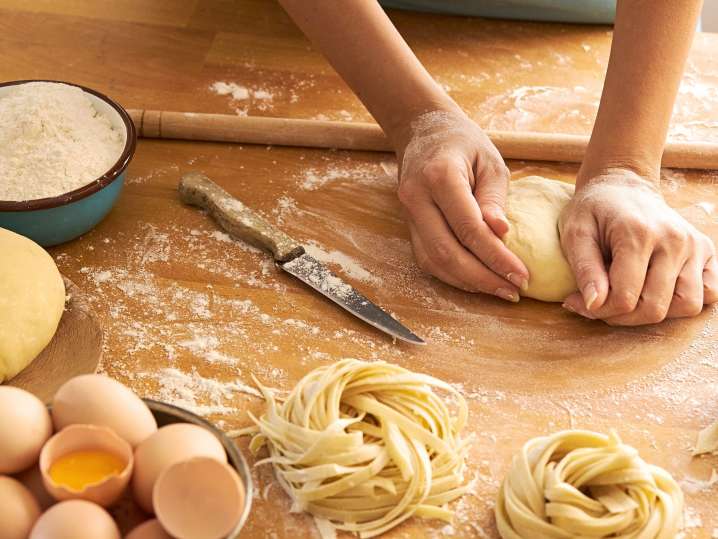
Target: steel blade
[{"x": 315, "y": 274}]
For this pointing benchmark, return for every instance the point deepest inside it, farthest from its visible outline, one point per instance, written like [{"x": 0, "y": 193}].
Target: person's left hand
[{"x": 635, "y": 259}]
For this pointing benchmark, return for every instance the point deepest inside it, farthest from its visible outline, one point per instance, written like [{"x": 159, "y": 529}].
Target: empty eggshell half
[
  {"x": 200, "y": 498},
  {"x": 94, "y": 399},
  {"x": 87, "y": 438},
  {"x": 170, "y": 444},
  {"x": 75, "y": 519},
  {"x": 152, "y": 529},
  {"x": 18, "y": 509}
]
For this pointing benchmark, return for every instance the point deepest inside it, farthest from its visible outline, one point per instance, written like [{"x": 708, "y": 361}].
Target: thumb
[
  {"x": 490, "y": 192},
  {"x": 586, "y": 260}
]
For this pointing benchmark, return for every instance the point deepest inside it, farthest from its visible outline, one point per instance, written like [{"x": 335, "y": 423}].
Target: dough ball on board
[
  {"x": 32, "y": 299},
  {"x": 533, "y": 207}
]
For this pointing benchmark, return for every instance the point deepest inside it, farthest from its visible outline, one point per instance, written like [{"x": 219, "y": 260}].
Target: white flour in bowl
[{"x": 52, "y": 141}]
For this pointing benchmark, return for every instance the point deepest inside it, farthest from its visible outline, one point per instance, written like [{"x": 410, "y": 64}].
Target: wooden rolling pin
[{"x": 530, "y": 146}]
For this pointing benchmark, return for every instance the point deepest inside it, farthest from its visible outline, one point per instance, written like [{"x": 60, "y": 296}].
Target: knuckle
[
  {"x": 467, "y": 232},
  {"x": 439, "y": 251},
  {"x": 624, "y": 301},
  {"x": 577, "y": 232},
  {"x": 583, "y": 270},
  {"x": 691, "y": 307},
  {"x": 676, "y": 237},
  {"x": 639, "y": 231},
  {"x": 490, "y": 199},
  {"x": 498, "y": 168},
  {"x": 710, "y": 294},
  {"x": 654, "y": 312},
  {"x": 492, "y": 261},
  {"x": 436, "y": 171}
]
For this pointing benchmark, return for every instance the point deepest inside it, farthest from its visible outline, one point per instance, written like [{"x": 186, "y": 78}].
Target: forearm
[
  {"x": 363, "y": 46},
  {"x": 651, "y": 41}
]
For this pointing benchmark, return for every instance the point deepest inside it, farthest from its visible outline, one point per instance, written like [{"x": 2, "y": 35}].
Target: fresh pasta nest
[
  {"x": 580, "y": 484},
  {"x": 363, "y": 446}
]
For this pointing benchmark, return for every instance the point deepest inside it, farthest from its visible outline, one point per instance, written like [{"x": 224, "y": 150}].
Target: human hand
[
  {"x": 636, "y": 260},
  {"x": 452, "y": 185}
]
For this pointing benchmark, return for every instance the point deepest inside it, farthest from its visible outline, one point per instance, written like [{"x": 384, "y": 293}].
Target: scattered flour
[
  {"x": 52, "y": 141},
  {"x": 262, "y": 97},
  {"x": 348, "y": 265}
]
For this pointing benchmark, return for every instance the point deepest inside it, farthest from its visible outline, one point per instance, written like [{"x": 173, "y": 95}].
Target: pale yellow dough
[
  {"x": 581, "y": 484},
  {"x": 32, "y": 299},
  {"x": 533, "y": 208}
]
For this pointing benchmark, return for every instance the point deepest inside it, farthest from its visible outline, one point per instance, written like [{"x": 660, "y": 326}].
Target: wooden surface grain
[
  {"x": 75, "y": 349},
  {"x": 190, "y": 315}
]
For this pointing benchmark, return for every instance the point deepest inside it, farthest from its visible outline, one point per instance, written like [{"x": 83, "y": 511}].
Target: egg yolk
[{"x": 82, "y": 468}]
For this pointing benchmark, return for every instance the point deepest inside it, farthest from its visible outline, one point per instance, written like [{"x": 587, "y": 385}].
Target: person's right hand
[{"x": 452, "y": 184}]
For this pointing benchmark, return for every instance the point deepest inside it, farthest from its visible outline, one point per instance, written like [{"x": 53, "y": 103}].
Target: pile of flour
[{"x": 52, "y": 140}]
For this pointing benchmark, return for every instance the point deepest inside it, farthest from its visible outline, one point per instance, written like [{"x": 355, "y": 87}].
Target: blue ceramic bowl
[{"x": 49, "y": 221}]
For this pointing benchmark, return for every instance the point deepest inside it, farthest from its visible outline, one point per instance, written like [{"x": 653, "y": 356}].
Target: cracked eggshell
[
  {"x": 170, "y": 444},
  {"x": 200, "y": 498},
  {"x": 85, "y": 438}
]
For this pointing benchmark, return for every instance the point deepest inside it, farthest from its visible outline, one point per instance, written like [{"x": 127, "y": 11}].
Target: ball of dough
[
  {"x": 533, "y": 207},
  {"x": 32, "y": 299},
  {"x": 579, "y": 483}
]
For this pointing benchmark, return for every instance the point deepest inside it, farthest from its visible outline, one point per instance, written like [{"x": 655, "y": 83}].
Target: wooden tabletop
[{"x": 189, "y": 315}]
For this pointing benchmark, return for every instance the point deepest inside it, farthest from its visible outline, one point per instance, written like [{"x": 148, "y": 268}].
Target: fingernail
[
  {"x": 516, "y": 280},
  {"x": 590, "y": 295},
  {"x": 508, "y": 295}
]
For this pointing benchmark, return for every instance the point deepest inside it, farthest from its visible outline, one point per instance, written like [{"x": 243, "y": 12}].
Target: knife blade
[{"x": 241, "y": 222}]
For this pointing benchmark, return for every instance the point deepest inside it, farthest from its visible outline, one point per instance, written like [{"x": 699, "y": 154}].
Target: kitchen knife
[{"x": 241, "y": 222}]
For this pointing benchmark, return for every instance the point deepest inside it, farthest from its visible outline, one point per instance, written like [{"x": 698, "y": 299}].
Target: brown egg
[
  {"x": 24, "y": 428},
  {"x": 86, "y": 462},
  {"x": 75, "y": 519},
  {"x": 200, "y": 498},
  {"x": 170, "y": 444},
  {"x": 32, "y": 480},
  {"x": 18, "y": 509},
  {"x": 152, "y": 529},
  {"x": 94, "y": 399}
]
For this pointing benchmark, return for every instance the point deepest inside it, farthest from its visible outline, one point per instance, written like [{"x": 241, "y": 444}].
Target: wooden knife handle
[{"x": 235, "y": 218}]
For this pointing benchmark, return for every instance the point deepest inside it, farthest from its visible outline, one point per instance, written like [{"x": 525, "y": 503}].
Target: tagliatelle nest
[
  {"x": 581, "y": 484},
  {"x": 364, "y": 446}
]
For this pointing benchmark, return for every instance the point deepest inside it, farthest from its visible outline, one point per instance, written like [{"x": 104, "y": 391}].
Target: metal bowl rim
[
  {"x": 235, "y": 455},
  {"x": 233, "y": 452}
]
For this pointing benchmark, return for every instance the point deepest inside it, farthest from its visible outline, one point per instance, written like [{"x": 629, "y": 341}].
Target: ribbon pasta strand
[
  {"x": 363, "y": 446},
  {"x": 581, "y": 484}
]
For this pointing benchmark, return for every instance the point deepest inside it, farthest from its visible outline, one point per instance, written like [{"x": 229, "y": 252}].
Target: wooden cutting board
[{"x": 75, "y": 349}]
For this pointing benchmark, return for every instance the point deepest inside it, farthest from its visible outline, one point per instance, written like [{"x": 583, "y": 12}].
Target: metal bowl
[
  {"x": 166, "y": 414},
  {"x": 54, "y": 220}
]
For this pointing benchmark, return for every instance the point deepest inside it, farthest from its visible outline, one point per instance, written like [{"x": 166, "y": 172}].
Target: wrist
[
  {"x": 636, "y": 168},
  {"x": 617, "y": 176},
  {"x": 402, "y": 126}
]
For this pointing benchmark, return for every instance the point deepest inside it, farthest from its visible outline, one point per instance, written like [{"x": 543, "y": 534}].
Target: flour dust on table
[
  {"x": 52, "y": 141},
  {"x": 534, "y": 205}
]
